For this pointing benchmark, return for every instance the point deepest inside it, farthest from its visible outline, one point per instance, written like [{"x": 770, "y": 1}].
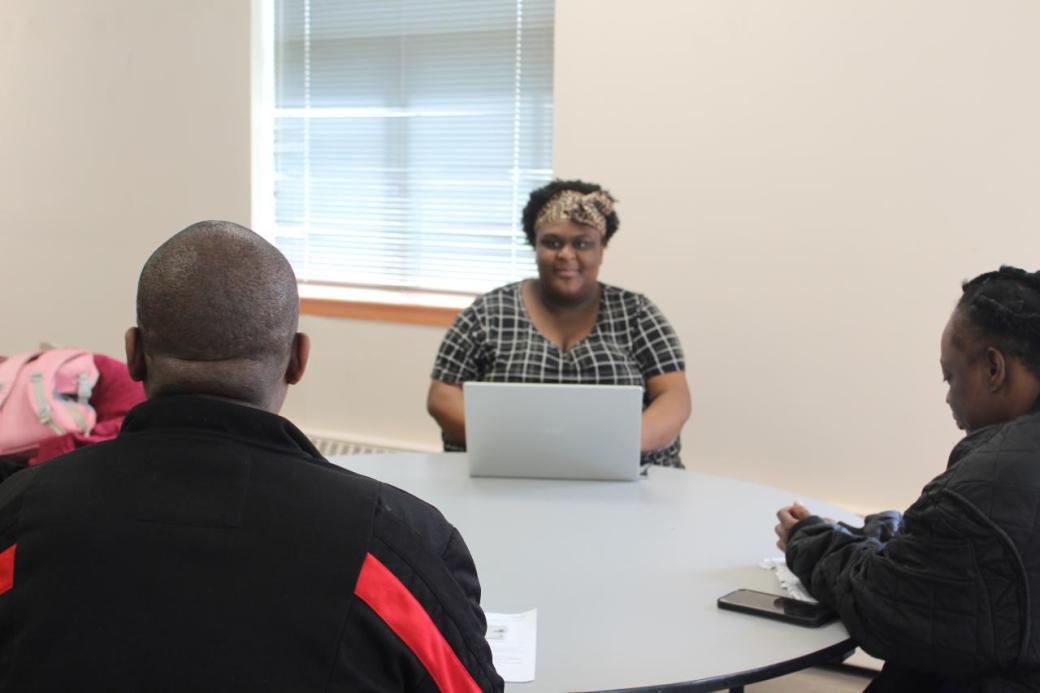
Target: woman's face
[
  {"x": 968, "y": 370},
  {"x": 568, "y": 257}
]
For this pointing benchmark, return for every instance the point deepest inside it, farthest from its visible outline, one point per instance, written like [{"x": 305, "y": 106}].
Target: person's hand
[{"x": 789, "y": 517}]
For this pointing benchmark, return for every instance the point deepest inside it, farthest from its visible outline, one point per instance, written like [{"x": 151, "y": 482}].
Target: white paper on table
[
  {"x": 513, "y": 639},
  {"x": 789, "y": 582}
]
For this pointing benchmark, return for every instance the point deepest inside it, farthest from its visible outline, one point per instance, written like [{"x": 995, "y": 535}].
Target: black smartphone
[{"x": 779, "y": 608}]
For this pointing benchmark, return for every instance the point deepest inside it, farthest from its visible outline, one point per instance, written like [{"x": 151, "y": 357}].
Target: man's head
[
  {"x": 217, "y": 312},
  {"x": 990, "y": 349}
]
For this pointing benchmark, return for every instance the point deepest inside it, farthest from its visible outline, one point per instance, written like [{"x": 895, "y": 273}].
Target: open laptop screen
[{"x": 553, "y": 431}]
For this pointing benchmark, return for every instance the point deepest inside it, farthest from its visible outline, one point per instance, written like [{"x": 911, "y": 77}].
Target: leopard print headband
[{"x": 589, "y": 210}]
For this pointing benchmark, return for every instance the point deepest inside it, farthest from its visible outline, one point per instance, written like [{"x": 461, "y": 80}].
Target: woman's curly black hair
[
  {"x": 540, "y": 197},
  {"x": 1005, "y": 307}
]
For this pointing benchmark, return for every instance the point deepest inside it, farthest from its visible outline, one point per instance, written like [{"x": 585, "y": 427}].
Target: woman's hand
[
  {"x": 669, "y": 409},
  {"x": 789, "y": 516},
  {"x": 445, "y": 404}
]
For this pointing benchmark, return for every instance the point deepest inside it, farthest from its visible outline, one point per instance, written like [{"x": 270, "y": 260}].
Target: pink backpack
[{"x": 44, "y": 394}]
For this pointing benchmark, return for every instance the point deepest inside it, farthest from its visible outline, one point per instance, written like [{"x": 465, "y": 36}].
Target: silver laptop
[{"x": 553, "y": 431}]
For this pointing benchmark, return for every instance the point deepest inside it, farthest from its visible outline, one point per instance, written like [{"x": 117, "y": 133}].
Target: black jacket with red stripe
[{"x": 210, "y": 547}]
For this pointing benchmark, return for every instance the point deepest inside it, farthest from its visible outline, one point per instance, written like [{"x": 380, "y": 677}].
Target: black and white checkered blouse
[{"x": 494, "y": 340}]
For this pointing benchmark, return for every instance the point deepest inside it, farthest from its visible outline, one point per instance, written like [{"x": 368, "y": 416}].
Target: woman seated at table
[
  {"x": 566, "y": 326},
  {"x": 947, "y": 592}
]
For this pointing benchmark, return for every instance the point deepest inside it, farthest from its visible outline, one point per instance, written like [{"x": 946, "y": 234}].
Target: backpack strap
[
  {"x": 85, "y": 386},
  {"x": 41, "y": 377},
  {"x": 40, "y": 404},
  {"x": 9, "y": 370}
]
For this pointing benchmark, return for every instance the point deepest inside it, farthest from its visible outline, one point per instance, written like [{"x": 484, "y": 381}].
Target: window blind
[{"x": 407, "y": 135}]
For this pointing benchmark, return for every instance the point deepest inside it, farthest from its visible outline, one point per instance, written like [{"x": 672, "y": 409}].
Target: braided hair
[
  {"x": 1005, "y": 307},
  {"x": 540, "y": 197}
]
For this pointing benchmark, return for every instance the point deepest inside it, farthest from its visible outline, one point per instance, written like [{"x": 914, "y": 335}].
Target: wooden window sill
[{"x": 386, "y": 305}]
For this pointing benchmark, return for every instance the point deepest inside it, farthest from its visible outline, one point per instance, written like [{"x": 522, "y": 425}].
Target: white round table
[{"x": 625, "y": 575}]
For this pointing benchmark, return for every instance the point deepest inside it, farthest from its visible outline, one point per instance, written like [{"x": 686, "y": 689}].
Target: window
[{"x": 401, "y": 138}]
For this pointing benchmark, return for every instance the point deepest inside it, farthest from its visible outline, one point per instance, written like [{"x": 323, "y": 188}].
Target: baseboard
[{"x": 331, "y": 443}]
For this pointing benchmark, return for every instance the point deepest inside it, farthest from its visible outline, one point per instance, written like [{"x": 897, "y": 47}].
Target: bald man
[{"x": 210, "y": 547}]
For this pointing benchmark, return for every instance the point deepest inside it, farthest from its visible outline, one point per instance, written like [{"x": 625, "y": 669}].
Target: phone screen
[{"x": 774, "y": 606}]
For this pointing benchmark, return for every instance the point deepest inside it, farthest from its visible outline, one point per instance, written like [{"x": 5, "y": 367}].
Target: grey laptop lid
[{"x": 553, "y": 431}]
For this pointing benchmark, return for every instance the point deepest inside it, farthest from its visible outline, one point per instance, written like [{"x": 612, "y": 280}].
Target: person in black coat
[
  {"x": 948, "y": 593},
  {"x": 210, "y": 547}
]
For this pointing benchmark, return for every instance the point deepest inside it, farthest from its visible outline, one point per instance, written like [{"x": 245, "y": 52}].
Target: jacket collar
[
  {"x": 209, "y": 414},
  {"x": 970, "y": 442},
  {"x": 980, "y": 437}
]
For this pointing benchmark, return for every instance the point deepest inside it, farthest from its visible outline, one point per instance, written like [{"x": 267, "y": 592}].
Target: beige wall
[
  {"x": 803, "y": 184},
  {"x": 121, "y": 121}
]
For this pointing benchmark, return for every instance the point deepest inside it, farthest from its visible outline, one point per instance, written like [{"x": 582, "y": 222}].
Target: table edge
[{"x": 828, "y": 655}]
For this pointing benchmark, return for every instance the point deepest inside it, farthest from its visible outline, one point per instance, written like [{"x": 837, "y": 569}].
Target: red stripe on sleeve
[
  {"x": 7, "y": 568},
  {"x": 402, "y": 612}
]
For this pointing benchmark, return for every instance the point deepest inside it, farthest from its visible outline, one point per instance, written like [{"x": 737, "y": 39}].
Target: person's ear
[
  {"x": 996, "y": 369},
  {"x": 135, "y": 361},
  {"x": 301, "y": 351}
]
